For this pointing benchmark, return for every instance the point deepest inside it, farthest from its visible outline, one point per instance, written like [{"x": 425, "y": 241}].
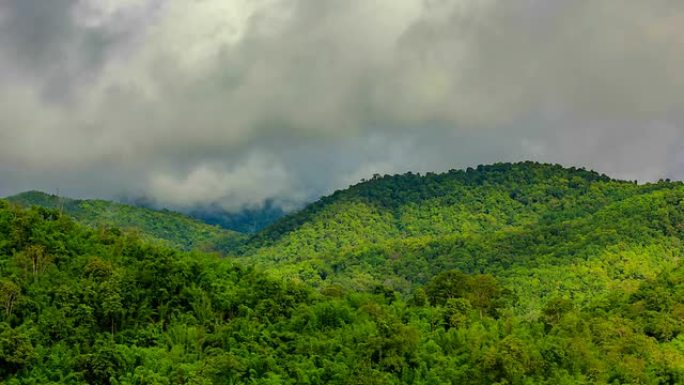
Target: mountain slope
[
  {"x": 474, "y": 200},
  {"x": 176, "y": 228},
  {"x": 401, "y": 230},
  {"x": 600, "y": 300}
]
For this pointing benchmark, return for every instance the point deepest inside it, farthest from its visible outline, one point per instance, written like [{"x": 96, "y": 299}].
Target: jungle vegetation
[{"x": 519, "y": 273}]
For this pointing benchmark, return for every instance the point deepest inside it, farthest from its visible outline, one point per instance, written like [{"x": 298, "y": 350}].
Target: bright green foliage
[
  {"x": 177, "y": 229},
  {"x": 527, "y": 274},
  {"x": 401, "y": 230}
]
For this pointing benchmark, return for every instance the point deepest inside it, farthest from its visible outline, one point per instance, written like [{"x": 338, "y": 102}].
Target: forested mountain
[
  {"x": 248, "y": 219},
  {"x": 178, "y": 229},
  {"x": 490, "y": 218},
  {"x": 505, "y": 274},
  {"x": 460, "y": 201}
]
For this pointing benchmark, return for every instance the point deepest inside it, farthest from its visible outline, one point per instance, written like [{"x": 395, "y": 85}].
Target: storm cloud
[{"x": 236, "y": 102}]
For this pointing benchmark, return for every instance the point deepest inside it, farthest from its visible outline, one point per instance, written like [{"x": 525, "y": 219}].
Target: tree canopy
[{"x": 503, "y": 274}]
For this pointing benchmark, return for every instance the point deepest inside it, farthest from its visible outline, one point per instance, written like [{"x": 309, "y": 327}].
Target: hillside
[
  {"x": 178, "y": 229},
  {"x": 81, "y": 305},
  {"x": 460, "y": 201},
  {"x": 401, "y": 230},
  {"x": 509, "y": 274}
]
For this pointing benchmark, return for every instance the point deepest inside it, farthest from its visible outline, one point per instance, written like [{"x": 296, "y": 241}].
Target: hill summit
[{"x": 403, "y": 229}]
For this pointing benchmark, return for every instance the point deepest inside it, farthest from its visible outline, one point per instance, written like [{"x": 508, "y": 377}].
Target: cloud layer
[{"x": 196, "y": 102}]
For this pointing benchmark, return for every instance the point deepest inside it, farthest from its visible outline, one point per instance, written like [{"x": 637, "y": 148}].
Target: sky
[{"x": 234, "y": 102}]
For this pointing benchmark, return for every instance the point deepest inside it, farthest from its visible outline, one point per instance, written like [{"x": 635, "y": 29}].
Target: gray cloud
[{"x": 236, "y": 102}]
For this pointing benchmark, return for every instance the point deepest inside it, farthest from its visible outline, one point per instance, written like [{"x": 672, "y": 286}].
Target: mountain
[
  {"x": 513, "y": 274},
  {"x": 403, "y": 229},
  {"x": 178, "y": 229},
  {"x": 247, "y": 220}
]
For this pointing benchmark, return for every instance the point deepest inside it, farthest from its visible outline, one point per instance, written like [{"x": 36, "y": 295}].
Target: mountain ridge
[
  {"x": 174, "y": 227},
  {"x": 336, "y": 236}
]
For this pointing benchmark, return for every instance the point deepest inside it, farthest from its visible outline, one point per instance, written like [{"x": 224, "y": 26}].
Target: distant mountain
[
  {"x": 178, "y": 229},
  {"x": 246, "y": 220}
]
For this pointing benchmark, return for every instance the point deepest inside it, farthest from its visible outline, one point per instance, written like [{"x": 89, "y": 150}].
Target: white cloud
[
  {"x": 236, "y": 102},
  {"x": 247, "y": 184}
]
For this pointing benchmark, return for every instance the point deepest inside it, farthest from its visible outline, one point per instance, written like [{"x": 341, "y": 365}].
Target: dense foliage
[
  {"x": 406, "y": 228},
  {"x": 505, "y": 274},
  {"x": 177, "y": 229}
]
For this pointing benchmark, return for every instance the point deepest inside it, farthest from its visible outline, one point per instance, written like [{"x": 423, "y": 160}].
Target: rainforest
[{"x": 511, "y": 273}]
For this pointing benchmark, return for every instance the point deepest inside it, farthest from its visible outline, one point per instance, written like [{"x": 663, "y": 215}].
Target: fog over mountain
[{"x": 234, "y": 103}]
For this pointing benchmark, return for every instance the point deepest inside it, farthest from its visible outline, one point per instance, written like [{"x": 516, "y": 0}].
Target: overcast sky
[{"x": 238, "y": 101}]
